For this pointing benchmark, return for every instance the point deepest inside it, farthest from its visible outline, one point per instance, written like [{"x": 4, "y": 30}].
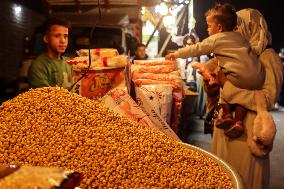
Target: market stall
[
  {"x": 99, "y": 129},
  {"x": 158, "y": 85},
  {"x": 53, "y": 127}
]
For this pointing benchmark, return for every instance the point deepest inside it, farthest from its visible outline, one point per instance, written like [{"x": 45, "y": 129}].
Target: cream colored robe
[{"x": 255, "y": 171}]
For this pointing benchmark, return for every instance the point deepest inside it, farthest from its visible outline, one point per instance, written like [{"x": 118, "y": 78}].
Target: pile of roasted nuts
[{"x": 55, "y": 128}]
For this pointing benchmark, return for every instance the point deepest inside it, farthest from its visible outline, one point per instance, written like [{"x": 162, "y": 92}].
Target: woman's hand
[
  {"x": 170, "y": 56},
  {"x": 209, "y": 77},
  {"x": 221, "y": 78}
]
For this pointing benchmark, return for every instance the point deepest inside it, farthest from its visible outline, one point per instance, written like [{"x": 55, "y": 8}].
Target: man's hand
[{"x": 170, "y": 56}]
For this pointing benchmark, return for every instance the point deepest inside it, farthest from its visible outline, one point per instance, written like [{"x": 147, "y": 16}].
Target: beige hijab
[{"x": 252, "y": 25}]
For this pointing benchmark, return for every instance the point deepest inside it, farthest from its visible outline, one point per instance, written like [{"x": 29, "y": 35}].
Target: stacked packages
[
  {"x": 106, "y": 71},
  {"x": 160, "y": 82}
]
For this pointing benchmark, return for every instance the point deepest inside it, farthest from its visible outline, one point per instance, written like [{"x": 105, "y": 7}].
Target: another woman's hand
[
  {"x": 208, "y": 76},
  {"x": 221, "y": 78},
  {"x": 170, "y": 56}
]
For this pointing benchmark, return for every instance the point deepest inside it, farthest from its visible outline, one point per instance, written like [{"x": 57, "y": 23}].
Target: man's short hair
[
  {"x": 193, "y": 39},
  {"x": 55, "y": 21},
  {"x": 140, "y": 45}
]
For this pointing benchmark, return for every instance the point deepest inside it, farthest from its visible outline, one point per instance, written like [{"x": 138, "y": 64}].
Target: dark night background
[
  {"x": 273, "y": 11},
  {"x": 14, "y": 29}
]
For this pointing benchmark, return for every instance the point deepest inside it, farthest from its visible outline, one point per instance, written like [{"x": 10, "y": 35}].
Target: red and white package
[
  {"x": 144, "y": 102},
  {"x": 154, "y": 62},
  {"x": 98, "y": 81},
  {"x": 82, "y": 62},
  {"x": 161, "y": 99},
  {"x": 120, "y": 102},
  {"x": 158, "y": 69},
  {"x": 174, "y": 84},
  {"x": 177, "y": 108},
  {"x": 173, "y": 76},
  {"x": 101, "y": 52}
]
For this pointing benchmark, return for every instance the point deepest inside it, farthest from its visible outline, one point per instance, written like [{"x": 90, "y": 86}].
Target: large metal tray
[{"x": 232, "y": 173}]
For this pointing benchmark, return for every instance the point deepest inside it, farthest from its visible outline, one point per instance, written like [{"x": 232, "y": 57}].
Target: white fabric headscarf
[{"x": 252, "y": 26}]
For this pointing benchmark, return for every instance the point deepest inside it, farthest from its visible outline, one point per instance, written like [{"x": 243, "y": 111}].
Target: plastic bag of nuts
[{"x": 25, "y": 177}]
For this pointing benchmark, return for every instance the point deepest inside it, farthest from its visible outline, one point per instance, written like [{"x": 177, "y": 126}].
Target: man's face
[
  {"x": 213, "y": 26},
  {"x": 57, "y": 39},
  {"x": 140, "y": 52}
]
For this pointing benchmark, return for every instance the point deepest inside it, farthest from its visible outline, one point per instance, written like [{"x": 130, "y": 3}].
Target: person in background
[
  {"x": 190, "y": 72},
  {"x": 194, "y": 77},
  {"x": 189, "y": 40},
  {"x": 140, "y": 52},
  {"x": 234, "y": 58},
  {"x": 49, "y": 68}
]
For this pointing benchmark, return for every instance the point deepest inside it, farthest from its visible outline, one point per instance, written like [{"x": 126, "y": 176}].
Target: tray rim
[{"x": 232, "y": 173}]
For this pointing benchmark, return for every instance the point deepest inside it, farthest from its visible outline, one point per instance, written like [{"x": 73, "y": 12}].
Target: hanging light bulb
[
  {"x": 162, "y": 9},
  {"x": 143, "y": 10},
  {"x": 169, "y": 20},
  {"x": 17, "y": 10},
  {"x": 149, "y": 28}
]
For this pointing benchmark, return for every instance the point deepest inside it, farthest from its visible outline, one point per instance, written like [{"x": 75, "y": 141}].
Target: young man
[
  {"x": 49, "y": 68},
  {"x": 140, "y": 52}
]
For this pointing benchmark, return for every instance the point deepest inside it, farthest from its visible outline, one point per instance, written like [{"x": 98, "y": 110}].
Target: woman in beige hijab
[{"x": 250, "y": 159}]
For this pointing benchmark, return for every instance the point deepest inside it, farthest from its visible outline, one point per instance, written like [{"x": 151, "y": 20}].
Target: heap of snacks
[{"x": 55, "y": 128}]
